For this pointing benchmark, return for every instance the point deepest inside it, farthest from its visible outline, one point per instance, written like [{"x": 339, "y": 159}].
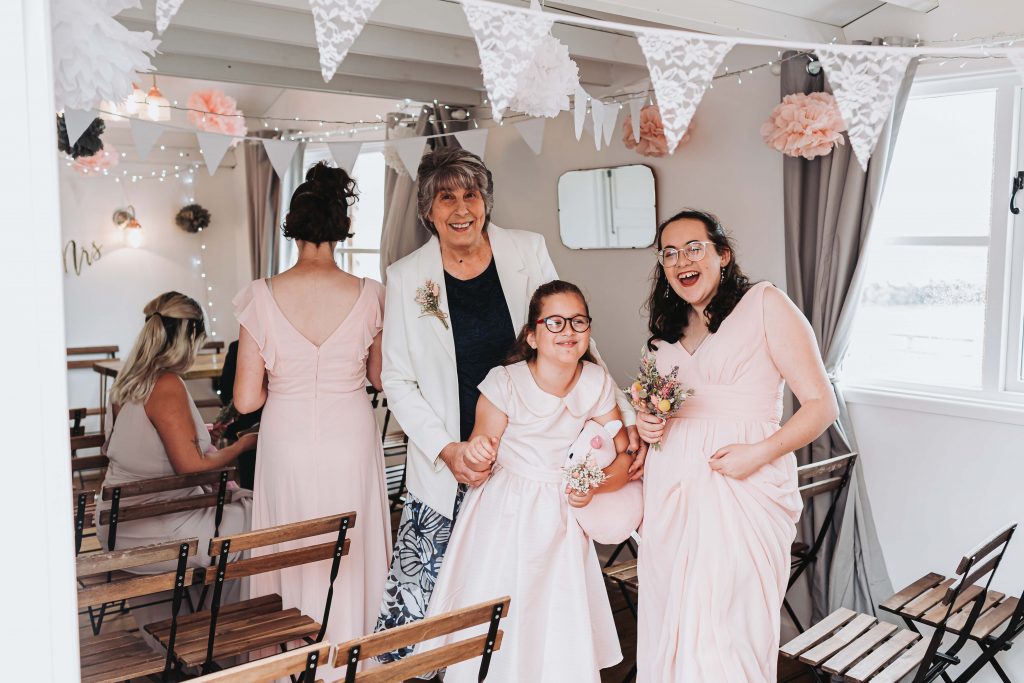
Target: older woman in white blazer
[{"x": 452, "y": 311}]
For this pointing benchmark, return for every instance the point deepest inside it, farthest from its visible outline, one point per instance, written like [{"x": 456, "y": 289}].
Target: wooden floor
[{"x": 624, "y": 623}]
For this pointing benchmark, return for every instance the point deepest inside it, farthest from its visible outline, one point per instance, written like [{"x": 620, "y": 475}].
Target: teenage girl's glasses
[
  {"x": 694, "y": 251},
  {"x": 556, "y": 323}
]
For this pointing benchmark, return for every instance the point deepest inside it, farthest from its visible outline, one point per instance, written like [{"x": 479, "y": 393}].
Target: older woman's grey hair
[{"x": 451, "y": 168}]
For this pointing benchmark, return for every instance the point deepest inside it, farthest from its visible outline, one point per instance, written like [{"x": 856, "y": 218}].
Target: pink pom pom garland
[{"x": 805, "y": 125}]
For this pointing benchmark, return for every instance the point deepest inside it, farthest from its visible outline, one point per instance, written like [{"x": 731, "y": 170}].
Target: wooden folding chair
[
  {"x": 396, "y": 447},
  {"x": 250, "y": 625},
  {"x": 123, "y": 655},
  {"x": 300, "y": 664},
  {"x": 836, "y": 472},
  {"x": 85, "y": 496},
  {"x": 123, "y": 510},
  {"x": 858, "y": 648},
  {"x": 491, "y": 613},
  {"x": 916, "y": 605}
]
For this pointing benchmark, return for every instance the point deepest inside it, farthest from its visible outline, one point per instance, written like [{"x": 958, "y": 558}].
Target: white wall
[
  {"x": 104, "y": 304},
  {"x": 725, "y": 168}
]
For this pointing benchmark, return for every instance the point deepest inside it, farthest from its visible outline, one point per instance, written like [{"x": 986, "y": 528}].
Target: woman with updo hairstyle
[
  {"x": 155, "y": 430},
  {"x": 309, "y": 342}
]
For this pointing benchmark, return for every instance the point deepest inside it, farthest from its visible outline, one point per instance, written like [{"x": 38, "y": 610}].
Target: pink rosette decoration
[
  {"x": 103, "y": 160},
  {"x": 805, "y": 125},
  {"x": 224, "y": 117},
  {"x": 652, "y": 133}
]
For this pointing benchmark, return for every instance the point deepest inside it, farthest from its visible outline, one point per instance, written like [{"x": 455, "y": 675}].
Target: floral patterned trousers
[{"x": 423, "y": 535}]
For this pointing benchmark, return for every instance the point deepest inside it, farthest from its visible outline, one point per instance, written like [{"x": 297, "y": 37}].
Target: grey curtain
[
  {"x": 294, "y": 176},
  {"x": 829, "y": 206},
  {"x": 263, "y": 203},
  {"x": 402, "y": 232}
]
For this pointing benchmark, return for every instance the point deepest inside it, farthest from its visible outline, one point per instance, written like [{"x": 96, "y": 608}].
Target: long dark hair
[
  {"x": 670, "y": 313},
  {"x": 522, "y": 350}
]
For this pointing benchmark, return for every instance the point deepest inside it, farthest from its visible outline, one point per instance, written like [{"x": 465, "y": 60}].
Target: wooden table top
[{"x": 206, "y": 366}]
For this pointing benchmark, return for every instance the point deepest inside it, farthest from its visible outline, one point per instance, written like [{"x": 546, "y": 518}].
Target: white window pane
[
  {"x": 368, "y": 212},
  {"x": 941, "y": 177},
  {"x": 360, "y": 265},
  {"x": 922, "y": 317}
]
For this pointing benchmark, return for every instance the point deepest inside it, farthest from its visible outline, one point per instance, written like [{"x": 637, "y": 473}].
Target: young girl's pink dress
[
  {"x": 714, "y": 561},
  {"x": 516, "y": 536}
]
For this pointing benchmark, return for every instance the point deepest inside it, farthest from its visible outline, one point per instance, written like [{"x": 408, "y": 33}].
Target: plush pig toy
[{"x": 611, "y": 517}]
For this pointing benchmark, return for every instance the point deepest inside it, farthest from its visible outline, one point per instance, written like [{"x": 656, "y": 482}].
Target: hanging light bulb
[
  {"x": 158, "y": 108},
  {"x": 135, "y": 102}
]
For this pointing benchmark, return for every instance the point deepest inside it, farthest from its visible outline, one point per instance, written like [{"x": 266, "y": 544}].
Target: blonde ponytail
[{"x": 169, "y": 340}]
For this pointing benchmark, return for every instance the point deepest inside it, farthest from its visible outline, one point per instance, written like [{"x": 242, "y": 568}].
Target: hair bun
[{"x": 331, "y": 183}]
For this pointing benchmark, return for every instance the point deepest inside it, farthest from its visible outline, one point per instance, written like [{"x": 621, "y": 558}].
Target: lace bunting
[
  {"x": 338, "y": 23},
  {"x": 681, "y": 68},
  {"x": 506, "y": 39},
  {"x": 165, "y": 11},
  {"x": 864, "y": 83}
]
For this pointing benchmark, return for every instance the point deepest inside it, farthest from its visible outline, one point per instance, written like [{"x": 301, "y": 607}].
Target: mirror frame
[{"x": 654, "y": 235}]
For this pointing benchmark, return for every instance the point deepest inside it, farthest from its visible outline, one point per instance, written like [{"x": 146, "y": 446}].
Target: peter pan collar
[{"x": 580, "y": 401}]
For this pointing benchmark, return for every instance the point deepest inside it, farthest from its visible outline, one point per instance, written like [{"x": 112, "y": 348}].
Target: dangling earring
[
  {"x": 722, "y": 279},
  {"x": 668, "y": 290}
]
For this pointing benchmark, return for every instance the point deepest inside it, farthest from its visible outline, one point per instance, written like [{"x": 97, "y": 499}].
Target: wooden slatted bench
[
  {"x": 350, "y": 654},
  {"x": 122, "y": 655},
  {"x": 240, "y": 628},
  {"x": 300, "y": 662},
  {"x": 858, "y": 648}
]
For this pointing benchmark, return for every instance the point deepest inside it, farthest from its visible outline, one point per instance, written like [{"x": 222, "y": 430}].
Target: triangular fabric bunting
[
  {"x": 77, "y": 122},
  {"x": 611, "y": 117},
  {"x": 213, "y": 148},
  {"x": 864, "y": 82},
  {"x": 579, "y": 105},
  {"x": 635, "y": 105},
  {"x": 145, "y": 134},
  {"x": 280, "y": 153},
  {"x": 597, "y": 111},
  {"x": 532, "y": 131},
  {"x": 681, "y": 68},
  {"x": 165, "y": 11},
  {"x": 506, "y": 39},
  {"x": 345, "y": 154},
  {"x": 410, "y": 151},
  {"x": 338, "y": 23},
  {"x": 473, "y": 141}
]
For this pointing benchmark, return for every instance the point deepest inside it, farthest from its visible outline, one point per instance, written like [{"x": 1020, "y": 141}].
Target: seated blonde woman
[{"x": 155, "y": 430}]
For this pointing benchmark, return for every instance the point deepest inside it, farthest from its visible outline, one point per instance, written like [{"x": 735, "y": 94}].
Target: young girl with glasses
[{"x": 515, "y": 534}]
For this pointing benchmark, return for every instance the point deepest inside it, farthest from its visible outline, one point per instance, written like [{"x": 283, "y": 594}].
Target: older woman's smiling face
[{"x": 459, "y": 216}]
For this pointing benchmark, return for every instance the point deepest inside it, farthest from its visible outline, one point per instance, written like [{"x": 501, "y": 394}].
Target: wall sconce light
[{"x": 131, "y": 229}]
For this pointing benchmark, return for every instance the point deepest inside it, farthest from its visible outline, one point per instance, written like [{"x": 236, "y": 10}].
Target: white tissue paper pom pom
[
  {"x": 95, "y": 58},
  {"x": 547, "y": 81}
]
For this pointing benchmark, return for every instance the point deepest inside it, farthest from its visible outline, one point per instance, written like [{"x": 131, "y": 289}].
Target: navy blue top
[{"x": 483, "y": 334}]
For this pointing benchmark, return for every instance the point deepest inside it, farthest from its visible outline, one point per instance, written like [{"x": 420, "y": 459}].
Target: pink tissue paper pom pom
[
  {"x": 805, "y": 125},
  {"x": 216, "y": 102},
  {"x": 102, "y": 160},
  {"x": 652, "y": 133}
]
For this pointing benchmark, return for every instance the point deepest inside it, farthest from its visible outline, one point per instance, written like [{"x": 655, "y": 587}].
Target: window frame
[
  {"x": 313, "y": 155},
  {"x": 1003, "y": 339}
]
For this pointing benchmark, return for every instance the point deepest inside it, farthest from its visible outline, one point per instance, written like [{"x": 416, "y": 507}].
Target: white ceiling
[{"x": 424, "y": 50}]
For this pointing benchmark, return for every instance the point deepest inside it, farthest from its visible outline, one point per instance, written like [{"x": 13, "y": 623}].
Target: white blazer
[{"x": 420, "y": 376}]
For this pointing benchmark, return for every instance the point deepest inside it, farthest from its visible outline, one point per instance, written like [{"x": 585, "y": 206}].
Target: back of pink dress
[
  {"x": 714, "y": 561},
  {"x": 320, "y": 454}
]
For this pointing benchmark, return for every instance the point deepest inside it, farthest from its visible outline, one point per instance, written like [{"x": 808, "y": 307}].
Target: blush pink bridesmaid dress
[
  {"x": 714, "y": 561},
  {"x": 320, "y": 453}
]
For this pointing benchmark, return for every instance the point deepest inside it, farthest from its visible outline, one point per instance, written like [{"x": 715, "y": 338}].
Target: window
[
  {"x": 940, "y": 308},
  {"x": 360, "y": 253}
]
